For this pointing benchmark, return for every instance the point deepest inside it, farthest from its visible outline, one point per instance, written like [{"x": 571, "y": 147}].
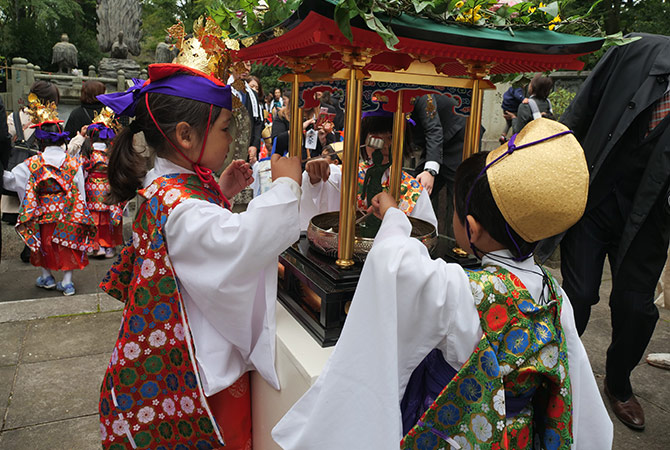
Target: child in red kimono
[
  {"x": 199, "y": 283},
  {"x": 53, "y": 219},
  {"x": 108, "y": 218}
]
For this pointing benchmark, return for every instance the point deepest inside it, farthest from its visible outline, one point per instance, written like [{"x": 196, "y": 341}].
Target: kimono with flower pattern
[
  {"x": 52, "y": 196},
  {"x": 152, "y": 396},
  {"x": 410, "y": 189},
  {"x": 522, "y": 354},
  {"x": 97, "y": 186}
]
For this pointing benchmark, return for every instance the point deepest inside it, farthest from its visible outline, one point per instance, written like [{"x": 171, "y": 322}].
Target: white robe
[
  {"x": 17, "y": 179},
  {"x": 405, "y": 305},
  {"x": 226, "y": 267},
  {"x": 324, "y": 197}
]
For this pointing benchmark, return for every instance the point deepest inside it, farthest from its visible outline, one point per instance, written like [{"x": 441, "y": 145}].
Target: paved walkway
[{"x": 54, "y": 350}]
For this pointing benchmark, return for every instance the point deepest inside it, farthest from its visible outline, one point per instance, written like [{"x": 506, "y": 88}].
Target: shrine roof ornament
[{"x": 312, "y": 36}]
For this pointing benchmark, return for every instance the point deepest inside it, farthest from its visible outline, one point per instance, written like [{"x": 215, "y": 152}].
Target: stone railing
[{"x": 23, "y": 74}]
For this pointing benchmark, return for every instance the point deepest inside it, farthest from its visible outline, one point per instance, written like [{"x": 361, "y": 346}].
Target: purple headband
[
  {"x": 384, "y": 113},
  {"x": 511, "y": 148},
  {"x": 103, "y": 131},
  {"x": 178, "y": 85},
  {"x": 51, "y": 136}
]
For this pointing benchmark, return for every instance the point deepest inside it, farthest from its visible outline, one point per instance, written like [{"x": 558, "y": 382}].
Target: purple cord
[{"x": 511, "y": 148}]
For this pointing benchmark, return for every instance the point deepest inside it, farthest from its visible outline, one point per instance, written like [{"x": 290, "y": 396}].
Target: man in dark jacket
[
  {"x": 440, "y": 133},
  {"x": 626, "y": 141}
]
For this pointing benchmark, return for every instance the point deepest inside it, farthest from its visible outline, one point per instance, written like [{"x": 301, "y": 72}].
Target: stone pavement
[{"x": 54, "y": 350}]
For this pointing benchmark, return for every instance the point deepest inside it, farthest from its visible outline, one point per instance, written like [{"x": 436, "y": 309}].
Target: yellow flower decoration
[
  {"x": 555, "y": 20},
  {"x": 470, "y": 16}
]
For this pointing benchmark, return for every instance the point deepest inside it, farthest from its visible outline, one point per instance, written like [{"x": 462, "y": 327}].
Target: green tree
[
  {"x": 159, "y": 15},
  {"x": 30, "y": 28}
]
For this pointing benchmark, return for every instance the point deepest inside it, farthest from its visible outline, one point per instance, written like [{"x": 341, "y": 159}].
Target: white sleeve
[
  {"x": 81, "y": 184},
  {"x": 74, "y": 146},
  {"x": 320, "y": 197},
  {"x": 17, "y": 180},
  {"x": 591, "y": 425},
  {"x": 424, "y": 209},
  {"x": 221, "y": 259},
  {"x": 403, "y": 307}
]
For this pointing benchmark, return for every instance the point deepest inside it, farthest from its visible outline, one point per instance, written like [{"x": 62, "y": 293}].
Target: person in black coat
[
  {"x": 5, "y": 149},
  {"x": 440, "y": 133},
  {"x": 627, "y": 217},
  {"x": 89, "y": 108}
]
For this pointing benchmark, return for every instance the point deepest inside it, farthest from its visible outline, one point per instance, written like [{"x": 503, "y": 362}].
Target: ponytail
[{"x": 126, "y": 168}]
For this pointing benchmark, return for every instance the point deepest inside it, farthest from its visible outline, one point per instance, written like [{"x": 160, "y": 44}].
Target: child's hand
[
  {"x": 381, "y": 203},
  {"x": 286, "y": 167},
  {"x": 318, "y": 170},
  {"x": 236, "y": 177}
]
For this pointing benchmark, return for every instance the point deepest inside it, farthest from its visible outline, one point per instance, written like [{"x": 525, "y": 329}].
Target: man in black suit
[
  {"x": 440, "y": 133},
  {"x": 240, "y": 88},
  {"x": 618, "y": 118}
]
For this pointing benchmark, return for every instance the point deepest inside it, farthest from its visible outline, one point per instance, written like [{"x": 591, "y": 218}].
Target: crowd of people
[{"x": 431, "y": 355}]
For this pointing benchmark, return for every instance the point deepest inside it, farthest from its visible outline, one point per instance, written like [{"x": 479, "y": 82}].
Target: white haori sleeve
[
  {"x": 320, "y": 197},
  {"x": 591, "y": 424},
  {"x": 404, "y": 306},
  {"x": 17, "y": 180},
  {"x": 226, "y": 266},
  {"x": 423, "y": 209}
]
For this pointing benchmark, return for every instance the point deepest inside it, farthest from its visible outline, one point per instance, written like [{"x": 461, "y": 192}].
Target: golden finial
[{"x": 40, "y": 113}]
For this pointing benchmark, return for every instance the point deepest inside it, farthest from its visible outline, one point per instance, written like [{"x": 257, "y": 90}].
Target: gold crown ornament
[
  {"x": 208, "y": 50},
  {"x": 541, "y": 190},
  {"x": 107, "y": 118},
  {"x": 41, "y": 112}
]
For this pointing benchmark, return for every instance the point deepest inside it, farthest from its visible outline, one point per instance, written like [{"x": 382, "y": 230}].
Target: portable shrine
[{"x": 430, "y": 58}]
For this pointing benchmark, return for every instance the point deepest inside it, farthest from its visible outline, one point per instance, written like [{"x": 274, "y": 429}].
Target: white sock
[
  {"x": 67, "y": 277},
  {"x": 46, "y": 272}
]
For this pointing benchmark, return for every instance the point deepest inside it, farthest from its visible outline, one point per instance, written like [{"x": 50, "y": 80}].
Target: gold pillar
[
  {"x": 396, "y": 148},
  {"x": 477, "y": 70},
  {"x": 295, "y": 127},
  {"x": 352, "y": 137},
  {"x": 474, "y": 124}
]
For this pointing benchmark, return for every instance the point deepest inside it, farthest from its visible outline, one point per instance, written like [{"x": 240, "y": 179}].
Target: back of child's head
[
  {"x": 541, "y": 86},
  {"x": 482, "y": 206},
  {"x": 531, "y": 188},
  {"x": 53, "y": 128},
  {"x": 127, "y": 167},
  {"x": 330, "y": 152}
]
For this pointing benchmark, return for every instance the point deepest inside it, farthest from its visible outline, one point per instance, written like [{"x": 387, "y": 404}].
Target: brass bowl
[{"x": 322, "y": 235}]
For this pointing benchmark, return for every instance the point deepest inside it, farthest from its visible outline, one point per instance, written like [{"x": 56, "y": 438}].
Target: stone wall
[{"x": 23, "y": 74}]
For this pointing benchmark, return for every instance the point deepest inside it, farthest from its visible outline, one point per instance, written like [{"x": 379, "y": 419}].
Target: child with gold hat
[
  {"x": 199, "y": 282},
  {"x": 108, "y": 218},
  {"x": 53, "y": 219},
  {"x": 433, "y": 356}
]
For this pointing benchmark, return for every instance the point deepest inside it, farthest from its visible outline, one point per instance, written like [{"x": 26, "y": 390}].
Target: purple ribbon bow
[
  {"x": 51, "y": 136},
  {"x": 103, "y": 131}
]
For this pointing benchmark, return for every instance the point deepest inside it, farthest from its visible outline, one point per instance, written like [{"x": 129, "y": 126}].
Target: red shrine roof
[{"x": 311, "y": 33}]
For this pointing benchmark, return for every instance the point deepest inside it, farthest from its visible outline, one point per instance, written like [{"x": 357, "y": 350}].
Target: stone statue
[
  {"x": 64, "y": 54},
  {"x": 165, "y": 51},
  {"x": 119, "y": 15},
  {"x": 119, "y": 48}
]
